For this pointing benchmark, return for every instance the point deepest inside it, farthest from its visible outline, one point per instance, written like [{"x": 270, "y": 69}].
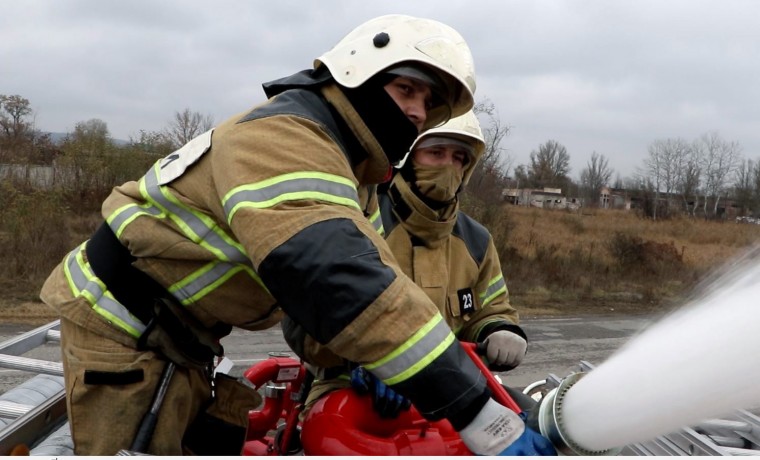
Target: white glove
[
  {"x": 497, "y": 430},
  {"x": 505, "y": 348},
  {"x": 492, "y": 430}
]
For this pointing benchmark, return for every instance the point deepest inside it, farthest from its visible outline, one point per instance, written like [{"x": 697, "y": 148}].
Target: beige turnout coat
[
  {"x": 271, "y": 211},
  {"x": 453, "y": 260}
]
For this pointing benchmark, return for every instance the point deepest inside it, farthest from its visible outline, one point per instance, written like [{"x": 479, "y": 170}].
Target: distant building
[
  {"x": 614, "y": 198},
  {"x": 546, "y": 198}
]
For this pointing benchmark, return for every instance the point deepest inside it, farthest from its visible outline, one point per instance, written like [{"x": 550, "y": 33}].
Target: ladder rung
[
  {"x": 30, "y": 364},
  {"x": 9, "y": 409}
]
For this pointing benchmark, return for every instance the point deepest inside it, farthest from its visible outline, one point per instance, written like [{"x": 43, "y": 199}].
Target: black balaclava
[{"x": 391, "y": 127}]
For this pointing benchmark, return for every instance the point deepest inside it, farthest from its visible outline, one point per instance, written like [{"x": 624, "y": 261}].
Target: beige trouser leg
[
  {"x": 320, "y": 389},
  {"x": 109, "y": 388}
]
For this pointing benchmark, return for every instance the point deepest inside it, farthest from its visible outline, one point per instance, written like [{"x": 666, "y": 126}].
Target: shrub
[
  {"x": 35, "y": 234},
  {"x": 644, "y": 257}
]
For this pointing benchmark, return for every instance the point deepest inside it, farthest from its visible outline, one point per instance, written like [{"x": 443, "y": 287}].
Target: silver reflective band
[
  {"x": 292, "y": 187},
  {"x": 493, "y": 289},
  {"x": 212, "y": 275},
  {"x": 197, "y": 227},
  {"x": 200, "y": 229},
  {"x": 83, "y": 281},
  {"x": 377, "y": 222},
  {"x": 125, "y": 215},
  {"x": 415, "y": 357}
]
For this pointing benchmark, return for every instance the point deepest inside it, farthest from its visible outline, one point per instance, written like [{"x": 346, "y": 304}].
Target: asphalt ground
[{"x": 556, "y": 346}]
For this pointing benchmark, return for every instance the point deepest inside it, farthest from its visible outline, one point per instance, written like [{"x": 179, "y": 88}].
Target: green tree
[
  {"x": 83, "y": 169},
  {"x": 152, "y": 143},
  {"x": 13, "y": 112},
  {"x": 16, "y": 131}
]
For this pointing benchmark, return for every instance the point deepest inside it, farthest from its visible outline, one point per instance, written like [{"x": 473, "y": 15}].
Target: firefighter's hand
[
  {"x": 497, "y": 430},
  {"x": 529, "y": 443},
  {"x": 504, "y": 348},
  {"x": 385, "y": 401}
]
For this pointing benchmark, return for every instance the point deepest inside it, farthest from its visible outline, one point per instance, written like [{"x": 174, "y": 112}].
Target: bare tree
[
  {"x": 665, "y": 166},
  {"x": 596, "y": 175},
  {"x": 494, "y": 132},
  {"x": 186, "y": 125},
  {"x": 688, "y": 181},
  {"x": 744, "y": 185},
  {"x": 720, "y": 159},
  {"x": 490, "y": 174},
  {"x": 549, "y": 166},
  {"x": 756, "y": 189}
]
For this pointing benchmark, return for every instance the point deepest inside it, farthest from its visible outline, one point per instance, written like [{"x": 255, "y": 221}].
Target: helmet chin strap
[{"x": 393, "y": 130}]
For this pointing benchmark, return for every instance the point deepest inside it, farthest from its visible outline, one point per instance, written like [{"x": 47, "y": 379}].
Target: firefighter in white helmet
[
  {"x": 435, "y": 241},
  {"x": 267, "y": 213},
  {"x": 448, "y": 254}
]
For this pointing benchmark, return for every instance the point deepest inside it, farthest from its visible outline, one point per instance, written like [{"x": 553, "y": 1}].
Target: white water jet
[{"x": 700, "y": 362}]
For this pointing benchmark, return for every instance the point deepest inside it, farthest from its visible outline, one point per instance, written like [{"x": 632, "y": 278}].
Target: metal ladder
[
  {"x": 28, "y": 423},
  {"x": 736, "y": 434}
]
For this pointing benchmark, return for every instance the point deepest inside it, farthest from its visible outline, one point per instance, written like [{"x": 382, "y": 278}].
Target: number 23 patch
[{"x": 466, "y": 301}]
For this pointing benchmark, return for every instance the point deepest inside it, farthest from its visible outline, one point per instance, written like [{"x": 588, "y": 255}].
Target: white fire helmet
[
  {"x": 464, "y": 130},
  {"x": 389, "y": 40}
]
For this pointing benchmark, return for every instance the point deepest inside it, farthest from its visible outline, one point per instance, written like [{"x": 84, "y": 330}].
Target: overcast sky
[{"x": 595, "y": 75}]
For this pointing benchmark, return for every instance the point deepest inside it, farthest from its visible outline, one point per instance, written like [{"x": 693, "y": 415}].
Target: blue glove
[
  {"x": 529, "y": 443},
  {"x": 385, "y": 401}
]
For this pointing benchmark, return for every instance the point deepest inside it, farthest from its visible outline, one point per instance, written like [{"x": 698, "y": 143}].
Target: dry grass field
[
  {"x": 556, "y": 262},
  {"x": 596, "y": 261}
]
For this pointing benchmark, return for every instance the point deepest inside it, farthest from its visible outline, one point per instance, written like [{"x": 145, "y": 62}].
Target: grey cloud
[{"x": 596, "y": 75}]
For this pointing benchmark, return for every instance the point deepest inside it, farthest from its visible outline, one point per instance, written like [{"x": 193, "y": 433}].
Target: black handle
[
  {"x": 148, "y": 424},
  {"x": 144, "y": 433}
]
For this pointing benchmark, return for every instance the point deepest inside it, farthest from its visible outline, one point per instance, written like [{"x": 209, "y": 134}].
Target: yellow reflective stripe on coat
[
  {"x": 124, "y": 216},
  {"x": 198, "y": 227},
  {"x": 161, "y": 204},
  {"x": 83, "y": 282},
  {"x": 415, "y": 354},
  {"x": 212, "y": 275},
  {"x": 377, "y": 222},
  {"x": 496, "y": 286},
  {"x": 307, "y": 185}
]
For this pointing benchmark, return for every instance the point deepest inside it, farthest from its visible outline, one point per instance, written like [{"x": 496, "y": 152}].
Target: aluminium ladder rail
[{"x": 28, "y": 423}]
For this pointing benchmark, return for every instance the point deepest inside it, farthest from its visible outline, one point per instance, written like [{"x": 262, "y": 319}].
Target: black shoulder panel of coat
[
  {"x": 325, "y": 276},
  {"x": 312, "y": 106},
  {"x": 474, "y": 235},
  {"x": 295, "y": 336},
  {"x": 386, "y": 213},
  {"x": 308, "y": 78}
]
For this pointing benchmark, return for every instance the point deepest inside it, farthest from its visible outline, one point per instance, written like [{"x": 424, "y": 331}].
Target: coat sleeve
[
  {"x": 495, "y": 313},
  {"x": 291, "y": 199}
]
